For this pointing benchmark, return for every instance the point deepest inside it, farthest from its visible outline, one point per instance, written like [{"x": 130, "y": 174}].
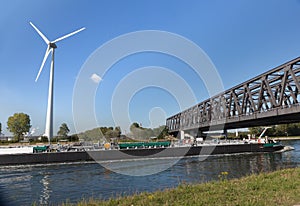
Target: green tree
[
  {"x": 0, "y": 128},
  {"x": 19, "y": 124},
  {"x": 256, "y": 130},
  {"x": 282, "y": 130},
  {"x": 96, "y": 134},
  {"x": 164, "y": 131},
  {"x": 137, "y": 131},
  {"x": 63, "y": 130},
  {"x": 109, "y": 134},
  {"x": 113, "y": 133},
  {"x": 44, "y": 139},
  {"x": 103, "y": 130},
  {"x": 134, "y": 126},
  {"x": 272, "y": 131},
  {"x": 73, "y": 138},
  {"x": 292, "y": 129},
  {"x": 118, "y": 131}
]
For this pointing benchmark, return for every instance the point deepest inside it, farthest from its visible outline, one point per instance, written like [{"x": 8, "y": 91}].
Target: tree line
[
  {"x": 101, "y": 134},
  {"x": 19, "y": 125},
  {"x": 292, "y": 129},
  {"x": 139, "y": 132}
]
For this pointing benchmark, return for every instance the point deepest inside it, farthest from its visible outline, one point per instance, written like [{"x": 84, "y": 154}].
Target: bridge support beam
[
  {"x": 199, "y": 133},
  {"x": 225, "y": 133},
  {"x": 181, "y": 134},
  {"x": 194, "y": 133}
]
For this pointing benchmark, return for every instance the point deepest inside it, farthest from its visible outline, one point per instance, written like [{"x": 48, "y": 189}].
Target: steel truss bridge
[{"x": 268, "y": 99}]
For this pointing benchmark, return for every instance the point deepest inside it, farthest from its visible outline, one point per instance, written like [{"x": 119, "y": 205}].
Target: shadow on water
[{"x": 56, "y": 183}]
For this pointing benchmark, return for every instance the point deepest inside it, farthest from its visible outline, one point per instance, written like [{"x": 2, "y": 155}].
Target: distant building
[
  {"x": 11, "y": 138},
  {"x": 6, "y": 138}
]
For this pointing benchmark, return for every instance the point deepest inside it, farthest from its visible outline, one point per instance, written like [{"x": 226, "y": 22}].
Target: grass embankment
[
  {"x": 276, "y": 188},
  {"x": 286, "y": 138}
]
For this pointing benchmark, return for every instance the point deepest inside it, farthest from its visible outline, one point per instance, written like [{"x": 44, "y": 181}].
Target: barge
[{"x": 131, "y": 151}]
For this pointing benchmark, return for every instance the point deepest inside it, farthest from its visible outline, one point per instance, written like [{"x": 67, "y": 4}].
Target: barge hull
[
  {"x": 44, "y": 158},
  {"x": 139, "y": 153},
  {"x": 128, "y": 154}
]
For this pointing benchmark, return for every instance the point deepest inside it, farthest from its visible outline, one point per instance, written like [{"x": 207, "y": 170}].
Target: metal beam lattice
[{"x": 270, "y": 98}]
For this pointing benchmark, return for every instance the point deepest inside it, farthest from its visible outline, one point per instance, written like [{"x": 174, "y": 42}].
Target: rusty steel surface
[{"x": 268, "y": 99}]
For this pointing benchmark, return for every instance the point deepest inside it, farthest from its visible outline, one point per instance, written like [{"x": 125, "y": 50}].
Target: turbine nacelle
[{"x": 52, "y": 45}]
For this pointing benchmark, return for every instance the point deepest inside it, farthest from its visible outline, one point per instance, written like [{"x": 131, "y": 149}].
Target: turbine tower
[{"x": 51, "y": 48}]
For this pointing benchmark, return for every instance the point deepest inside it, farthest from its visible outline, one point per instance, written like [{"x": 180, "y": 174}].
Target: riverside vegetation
[
  {"x": 19, "y": 125},
  {"x": 276, "y": 188}
]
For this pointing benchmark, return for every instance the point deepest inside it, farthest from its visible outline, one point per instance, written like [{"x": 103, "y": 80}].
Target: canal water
[{"x": 57, "y": 183}]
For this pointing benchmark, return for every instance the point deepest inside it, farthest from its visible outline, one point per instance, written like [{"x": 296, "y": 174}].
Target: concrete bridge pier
[
  {"x": 225, "y": 133},
  {"x": 194, "y": 133},
  {"x": 181, "y": 134}
]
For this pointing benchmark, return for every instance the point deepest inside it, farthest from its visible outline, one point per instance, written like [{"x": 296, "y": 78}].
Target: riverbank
[
  {"x": 286, "y": 138},
  {"x": 277, "y": 188}
]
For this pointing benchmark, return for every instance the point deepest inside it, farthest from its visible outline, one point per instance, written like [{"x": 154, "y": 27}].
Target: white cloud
[{"x": 96, "y": 78}]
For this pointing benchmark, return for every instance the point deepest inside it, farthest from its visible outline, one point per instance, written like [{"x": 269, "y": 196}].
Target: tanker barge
[{"x": 132, "y": 151}]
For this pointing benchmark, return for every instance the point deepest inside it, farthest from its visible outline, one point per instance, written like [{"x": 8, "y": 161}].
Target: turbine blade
[
  {"x": 40, "y": 33},
  {"x": 44, "y": 60},
  {"x": 61, "y": 38}
]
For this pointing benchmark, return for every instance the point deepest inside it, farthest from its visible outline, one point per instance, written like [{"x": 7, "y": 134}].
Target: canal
[{"x": 57, "y": 183}]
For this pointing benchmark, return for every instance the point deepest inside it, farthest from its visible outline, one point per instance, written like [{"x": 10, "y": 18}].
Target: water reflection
[
  {"x": 45, "y": 193},
  {"x": 140, "y": 167}
]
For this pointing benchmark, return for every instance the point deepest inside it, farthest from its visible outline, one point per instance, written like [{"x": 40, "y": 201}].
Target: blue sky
[{"x": 242, "y": 38}]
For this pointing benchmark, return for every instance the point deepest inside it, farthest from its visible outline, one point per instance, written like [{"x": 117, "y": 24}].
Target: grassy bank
[
  {"x": 287, "y": 138},
  {"x": 276, "y": 188}
]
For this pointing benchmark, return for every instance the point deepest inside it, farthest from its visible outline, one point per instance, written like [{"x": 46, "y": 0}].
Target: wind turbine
[{"x": 51, "y": 48}]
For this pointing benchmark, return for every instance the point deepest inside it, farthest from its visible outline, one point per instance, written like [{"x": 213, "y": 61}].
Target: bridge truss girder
[{"x": 270, "y": 98}]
